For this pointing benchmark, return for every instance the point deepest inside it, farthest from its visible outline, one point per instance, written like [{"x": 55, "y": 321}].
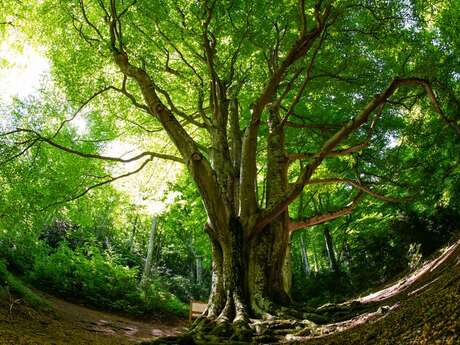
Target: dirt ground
[{"x": 74, "y": 324}]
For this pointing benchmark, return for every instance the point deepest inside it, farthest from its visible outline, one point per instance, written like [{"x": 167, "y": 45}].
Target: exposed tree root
[
  {"x": 276, "y": 325},
  {"x": 239, "y": 332}
]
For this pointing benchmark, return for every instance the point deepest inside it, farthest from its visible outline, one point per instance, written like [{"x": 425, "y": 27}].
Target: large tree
[{"x": 260, "y": 100}]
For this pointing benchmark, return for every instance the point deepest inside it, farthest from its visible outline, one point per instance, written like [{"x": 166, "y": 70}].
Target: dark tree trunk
[{"x": 330, "y": 250}]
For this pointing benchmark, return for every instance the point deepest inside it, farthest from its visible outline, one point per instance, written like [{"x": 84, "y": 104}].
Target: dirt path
[{"x": 75, "y": 324}]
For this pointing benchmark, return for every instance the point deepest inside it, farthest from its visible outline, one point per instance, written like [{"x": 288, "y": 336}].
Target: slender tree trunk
[
  {"x": 315, "y": 258},
  {"x": 347, "y": 254},
  {"x": 303, "y": 251},
  {"x": 133, "y": 234},
  {"x": 198, "y": 269},
  {"x": 149, "y": 259},
  {"x": 330, "y": 250}
]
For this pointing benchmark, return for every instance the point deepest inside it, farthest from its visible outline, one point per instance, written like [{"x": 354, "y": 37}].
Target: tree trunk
[
  {"x": 303, "y": 251},
  {"x": 198, "y": 269},
  {"x": 133, "y": 235},
  {"x": 248, "y": 276},
  {"x": 315, "y": 258},
  {"x": 330, "y": 250},
  {"x": 149, "y": 259}
]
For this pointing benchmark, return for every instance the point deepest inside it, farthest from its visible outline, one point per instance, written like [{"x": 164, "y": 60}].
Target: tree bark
[
  {"x": 248, "y": 276},
  {"x": 133, "y": 235}
]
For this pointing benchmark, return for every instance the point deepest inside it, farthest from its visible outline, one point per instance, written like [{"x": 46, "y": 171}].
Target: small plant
[
  {"x": 414, "y": 255},
  {"x": 12, "y": 302}
]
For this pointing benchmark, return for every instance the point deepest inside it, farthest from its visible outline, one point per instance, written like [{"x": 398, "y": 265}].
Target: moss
[{"x": 11, "y": 284}]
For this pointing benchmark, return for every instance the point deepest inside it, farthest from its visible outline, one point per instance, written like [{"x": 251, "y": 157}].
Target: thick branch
[
  {"x": 248, "y": 163},
  {"x": 197, "y": 164},
  {"x": 325, "y": 217},
  {"x": 331, "y": 144}
]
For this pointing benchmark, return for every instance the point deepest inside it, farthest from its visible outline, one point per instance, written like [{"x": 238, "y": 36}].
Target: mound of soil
[{"x": 420, "y": 309}]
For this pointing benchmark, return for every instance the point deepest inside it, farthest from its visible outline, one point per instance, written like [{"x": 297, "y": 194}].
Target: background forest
[
  {"x": 94, "y": 252},
  {"x": 139, "y": 246}
]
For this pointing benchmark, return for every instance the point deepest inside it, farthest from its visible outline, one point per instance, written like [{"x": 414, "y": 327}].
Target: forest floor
[
  {"x": 421, "y": 308},
  {"x": 70, "y": 324}
]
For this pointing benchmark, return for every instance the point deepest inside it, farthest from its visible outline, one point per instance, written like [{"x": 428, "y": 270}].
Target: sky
[{"x": 21, "y": 72}]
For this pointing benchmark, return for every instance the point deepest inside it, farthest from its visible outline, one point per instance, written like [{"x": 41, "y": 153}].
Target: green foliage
[
  {"x": 93, "y": 248},
  {"x": 90, "y": 276}
]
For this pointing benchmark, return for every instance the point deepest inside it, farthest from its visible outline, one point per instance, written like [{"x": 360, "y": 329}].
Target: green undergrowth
[
  {"x": 89, "y": 276},
  {"x": 9, "y": 285}
]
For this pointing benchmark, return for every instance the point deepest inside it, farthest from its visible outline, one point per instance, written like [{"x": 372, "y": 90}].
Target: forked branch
[{"x": 356, "y": 122}]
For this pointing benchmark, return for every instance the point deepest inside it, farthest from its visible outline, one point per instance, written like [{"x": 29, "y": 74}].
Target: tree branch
[
  {"x": 196, "y": 162},
  {"x": 82, "y": 6},
  {"x": 334, "y": 153},
  {"x": 325, "y": 217},
  {"x": 85, "y": 103},
  {"x": 322, "y": 126},
  {"x": 355, "y": 123},
  {"x": 151, "y": 154},
  {"x": 359, "y": 186},
  {"x": 248, "y": 163}
]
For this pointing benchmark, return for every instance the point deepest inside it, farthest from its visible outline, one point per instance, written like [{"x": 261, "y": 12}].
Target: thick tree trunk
[{"x": 249, "y": 276}]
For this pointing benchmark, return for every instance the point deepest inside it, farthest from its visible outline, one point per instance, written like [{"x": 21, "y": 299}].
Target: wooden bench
[{"x": 196, "y": 309}]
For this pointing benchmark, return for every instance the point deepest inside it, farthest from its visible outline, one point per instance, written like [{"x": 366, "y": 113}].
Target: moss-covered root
[
  {"x": 343, "y": 311},
  {"x": 173, "y": 340},
  {"x": 241, "y": 333}
]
